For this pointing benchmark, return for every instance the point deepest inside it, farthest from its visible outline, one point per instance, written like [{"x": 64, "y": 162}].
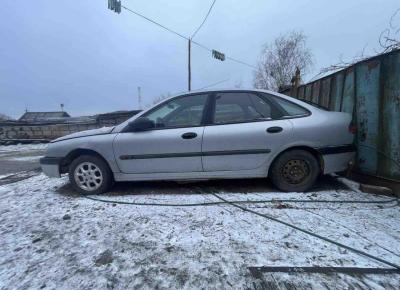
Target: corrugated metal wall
[{"x": 370, "y": 90}]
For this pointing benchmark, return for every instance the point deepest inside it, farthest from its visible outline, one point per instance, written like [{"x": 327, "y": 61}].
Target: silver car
[{"x": 209, "y": 134}]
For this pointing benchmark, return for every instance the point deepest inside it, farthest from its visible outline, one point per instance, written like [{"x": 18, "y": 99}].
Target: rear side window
[
  {"x": 239, "y": 107},
  {"x": 290, "y": 109}
]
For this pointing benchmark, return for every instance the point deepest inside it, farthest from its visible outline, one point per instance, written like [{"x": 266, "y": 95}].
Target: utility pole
[
  {"x": 189, "y": 65},
  {"x": 116, "y": 6},
  {"x": 139, "y": 98}
]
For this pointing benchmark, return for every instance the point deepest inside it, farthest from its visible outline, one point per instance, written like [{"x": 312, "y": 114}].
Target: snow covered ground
[
  {"x": 52, "y": 238},
  {"x": 21, "y": 148},
  {"x": 25, "y": 158}
]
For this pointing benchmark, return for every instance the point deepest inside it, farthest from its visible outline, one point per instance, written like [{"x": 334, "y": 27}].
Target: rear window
[
  {"x": 315, "y": 105},
  {"x": 290, "y": 109}
]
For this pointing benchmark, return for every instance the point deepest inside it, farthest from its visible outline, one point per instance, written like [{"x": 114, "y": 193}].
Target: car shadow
[{"x": 232, "y": 186}]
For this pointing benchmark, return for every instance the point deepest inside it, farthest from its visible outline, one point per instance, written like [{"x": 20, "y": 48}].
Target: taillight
[{"x": 352, "y": 128}]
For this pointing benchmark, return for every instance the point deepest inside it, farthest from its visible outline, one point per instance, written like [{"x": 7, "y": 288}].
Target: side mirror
[{"x": 141, "y": 124}]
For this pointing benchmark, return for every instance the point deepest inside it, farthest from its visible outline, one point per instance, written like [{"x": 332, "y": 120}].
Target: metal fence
[{"x": 370, "y": 90}]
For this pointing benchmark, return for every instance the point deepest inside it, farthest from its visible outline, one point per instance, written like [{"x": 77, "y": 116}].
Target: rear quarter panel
[{"x": 322, "y": 129}]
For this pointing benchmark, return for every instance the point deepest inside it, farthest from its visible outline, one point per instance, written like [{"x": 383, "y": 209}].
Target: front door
[
  {"x": 174, "y": 145},
  {"x": 244, "y": 132}
]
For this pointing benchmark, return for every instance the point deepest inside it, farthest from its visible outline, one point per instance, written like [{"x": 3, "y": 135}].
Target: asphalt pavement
[{"x": 13, "y": 162}]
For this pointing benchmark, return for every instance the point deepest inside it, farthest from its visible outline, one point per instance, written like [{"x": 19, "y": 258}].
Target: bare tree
[
  {"x": 390, "y": 38},
  {"x": 279, "y": 61}
]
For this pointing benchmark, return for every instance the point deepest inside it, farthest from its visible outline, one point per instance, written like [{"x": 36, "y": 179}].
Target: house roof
[{"x": 43, "y": 116}]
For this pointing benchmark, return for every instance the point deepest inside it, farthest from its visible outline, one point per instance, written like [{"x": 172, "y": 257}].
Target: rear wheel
[
  {"x": 90, "y": 175},
  {"x": 295, "y": 170}
]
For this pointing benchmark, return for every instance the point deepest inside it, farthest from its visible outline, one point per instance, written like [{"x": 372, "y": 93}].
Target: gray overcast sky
[{"x": 91, "y": 59}]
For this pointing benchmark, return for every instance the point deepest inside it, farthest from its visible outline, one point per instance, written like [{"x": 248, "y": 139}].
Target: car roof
[
  {"x": 289, "y": 98},
  {"x": 226, "y": 90}
]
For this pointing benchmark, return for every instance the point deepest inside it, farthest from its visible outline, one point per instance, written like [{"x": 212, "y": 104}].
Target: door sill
[{"x": 189, "y": 175}]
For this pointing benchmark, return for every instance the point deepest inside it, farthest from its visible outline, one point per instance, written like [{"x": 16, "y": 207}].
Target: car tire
[
  {"x": 295, "y": 170},
  {"x": 90, "y": 175}
]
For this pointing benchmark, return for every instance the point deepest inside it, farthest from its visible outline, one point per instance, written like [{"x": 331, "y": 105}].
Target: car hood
[{"x": 86, "y": 133}]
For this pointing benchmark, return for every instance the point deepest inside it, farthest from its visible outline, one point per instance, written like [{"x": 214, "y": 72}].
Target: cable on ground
[
  {"x": 242, "y": 202},
  {"x": 356, "y": 251}
]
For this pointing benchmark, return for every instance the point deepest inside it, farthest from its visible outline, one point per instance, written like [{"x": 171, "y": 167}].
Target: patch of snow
[
  {"x": 54, "y": 238},
  {"x": 5, "y": 175},
  {"x": 24, "y": 158},
  {"x": 22, "y": 148},
  {"x": 350, "y": 184}
]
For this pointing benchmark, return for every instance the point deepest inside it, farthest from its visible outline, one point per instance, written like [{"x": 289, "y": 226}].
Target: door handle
[
  {"x": 189, "y": 135},
  {"x": 274, "y": 129}
]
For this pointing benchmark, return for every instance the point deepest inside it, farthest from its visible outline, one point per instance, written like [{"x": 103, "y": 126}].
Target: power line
[
  {"x": 214, "y": 84},
  {"x": 205, "y": 18},
  {"x": 202, "y": 46},
  {"x": 183, "y": 36},
  {"x": 155, "y": 22},
  {"x": 241, "y": 62},
  {"x": 228, "y": 57}
]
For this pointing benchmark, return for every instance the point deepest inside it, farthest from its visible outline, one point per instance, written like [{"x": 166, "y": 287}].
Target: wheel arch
[
  {"x": 72, "y": 155},
  {"x": 309, "y": 149}
]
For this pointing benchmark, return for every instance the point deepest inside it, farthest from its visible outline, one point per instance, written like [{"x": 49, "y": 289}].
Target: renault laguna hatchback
[{"x": 209, "y": 135}]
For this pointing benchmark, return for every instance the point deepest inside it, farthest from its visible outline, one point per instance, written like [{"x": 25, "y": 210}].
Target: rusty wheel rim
[{"x": 295, "y": 171}]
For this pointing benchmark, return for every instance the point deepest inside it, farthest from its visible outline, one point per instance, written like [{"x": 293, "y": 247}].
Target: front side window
[
  {"x": 180, "y": 112},
  {"x": 237, "y": 107}
]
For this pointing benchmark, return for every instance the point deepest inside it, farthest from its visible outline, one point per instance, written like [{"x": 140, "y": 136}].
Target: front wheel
[
  {"x": 90, "y": 175},
  {"x": 295, "y": 170}
]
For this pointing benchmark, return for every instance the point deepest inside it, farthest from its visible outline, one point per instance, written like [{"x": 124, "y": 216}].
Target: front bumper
[{"x": 51, "y": 166}]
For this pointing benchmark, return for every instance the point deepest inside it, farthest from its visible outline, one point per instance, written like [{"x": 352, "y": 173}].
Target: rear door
[
  {"x": 243, "y": 132},
  {"x": 173, "y": 146}
]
